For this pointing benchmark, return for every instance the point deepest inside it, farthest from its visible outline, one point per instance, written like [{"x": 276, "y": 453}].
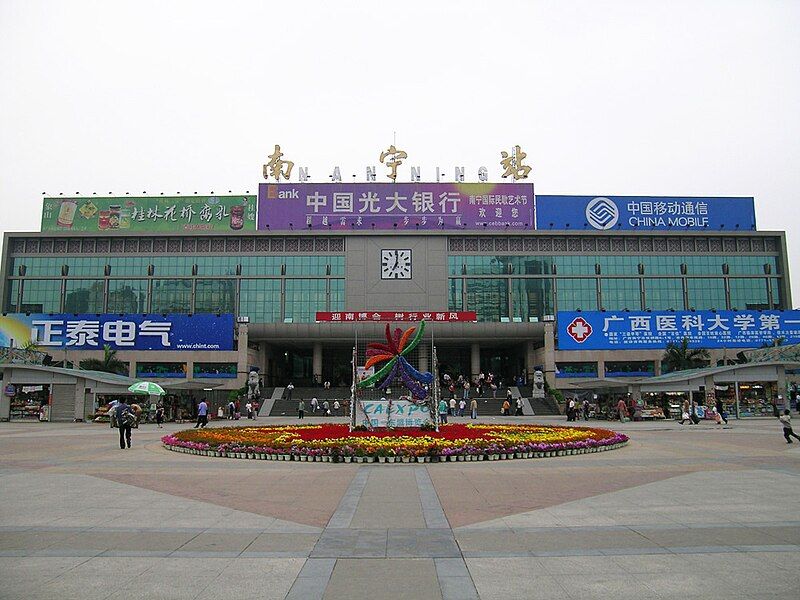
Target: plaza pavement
[{"x": 681, "y": 512}]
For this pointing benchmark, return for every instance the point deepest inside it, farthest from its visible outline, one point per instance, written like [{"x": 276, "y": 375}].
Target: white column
[
  {"x": 475, "y": 360},
  {"x": 424, "y": 357}
]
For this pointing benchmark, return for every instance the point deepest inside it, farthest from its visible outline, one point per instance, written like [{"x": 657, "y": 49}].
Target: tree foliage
[
  {"x": 679, "y": 357},
  {"x": 108, "y": 364}
]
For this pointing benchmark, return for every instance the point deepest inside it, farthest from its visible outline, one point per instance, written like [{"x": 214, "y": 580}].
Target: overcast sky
[{"x": 612, "y": 98}]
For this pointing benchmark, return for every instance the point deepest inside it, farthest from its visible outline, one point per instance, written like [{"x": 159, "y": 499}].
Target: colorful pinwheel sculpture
[{"x": 394, "y": 352}]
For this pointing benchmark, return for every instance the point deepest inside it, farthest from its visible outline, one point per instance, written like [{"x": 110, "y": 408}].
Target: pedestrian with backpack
[{"x": 125, "y": 420}]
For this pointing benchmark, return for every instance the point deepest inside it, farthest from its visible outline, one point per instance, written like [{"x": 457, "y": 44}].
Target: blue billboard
[
  {"x": 644, "y": 213},
  {"x": 599, "y": 330},
  {"x": 121, "y": 332}
]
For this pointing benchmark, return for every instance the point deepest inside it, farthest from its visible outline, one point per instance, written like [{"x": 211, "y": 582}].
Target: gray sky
[{"x": 651, "y": 98}]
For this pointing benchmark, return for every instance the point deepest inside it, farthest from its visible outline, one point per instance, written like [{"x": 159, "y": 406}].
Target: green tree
[
  {"x": 108, "y": 364},
  {"x": 679, "y": 357}
]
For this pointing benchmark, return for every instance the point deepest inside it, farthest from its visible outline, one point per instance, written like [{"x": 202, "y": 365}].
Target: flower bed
[{"x": 334, "y": 443}]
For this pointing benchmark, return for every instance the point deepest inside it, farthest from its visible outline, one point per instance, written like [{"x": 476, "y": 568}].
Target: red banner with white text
[{"x": 469, "y": 316}]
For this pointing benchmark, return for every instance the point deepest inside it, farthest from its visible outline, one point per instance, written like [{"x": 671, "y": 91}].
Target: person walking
[
  {"x": 125, "y": 420},
  {"x": 461, "y": 406},
  {"x": 519, "y": 407},
  {"x": 721, "y": 410},
  {"x": 452, "y": 407},
  {"x": 685, "y": 413},
  {"x": 256, "y": 406},
  {"x": 443, "y": 409},
  {"x": 336, "y": 407},
  {"x": 622, "y": 410},
  {"x": 160, "y": 416},
  {"x": 786, "y": 422},
  {"x": 506, "y": 407},
  {"x": 289, "y": 389},
  {"x": 231, "y": 410},
  {"x": 314, "y": 403},
  {"x": 301, "y": 409},
  {"x": 466, "y": 390},
  {"x": 249, "y": 408},
  {"x": 473, "y": 408},
  {"x": 326, "y": 409},
  {"x": 202, "y": 414},
  {"x": 585, "y": 409}
]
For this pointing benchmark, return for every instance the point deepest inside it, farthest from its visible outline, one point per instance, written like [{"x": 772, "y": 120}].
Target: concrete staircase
[{"x": 282, "y": 406}]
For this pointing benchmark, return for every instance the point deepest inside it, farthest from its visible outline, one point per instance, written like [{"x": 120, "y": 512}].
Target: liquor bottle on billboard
[
  {"x": 66, "y": 213},
  {"x": 237, "y": 216}
]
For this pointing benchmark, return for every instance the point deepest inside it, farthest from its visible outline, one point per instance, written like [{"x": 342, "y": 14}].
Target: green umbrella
[{"x": 147, "y": 388}]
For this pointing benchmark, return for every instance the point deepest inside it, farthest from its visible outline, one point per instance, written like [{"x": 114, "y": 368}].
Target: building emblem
[
  {"x": 602, "y": 213},
  {"x": 579, "y": 330}
]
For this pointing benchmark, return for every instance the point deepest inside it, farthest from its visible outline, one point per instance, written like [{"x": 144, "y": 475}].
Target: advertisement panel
[
  {"x": 150, "y": 214},
  {"x": 469, "y": 316},
  {"x": 596, "y": 330},
  {"x": 398, "y": 413},
  {"x": 644, "y": 213},
  {"x": 401, "y": 206},
  {"x": 121, "y": 332}
]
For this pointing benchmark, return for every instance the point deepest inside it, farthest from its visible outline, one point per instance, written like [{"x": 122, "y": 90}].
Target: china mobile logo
[
  {"x": 602, "y": 213},
  {"x": 579, "y": 330}
]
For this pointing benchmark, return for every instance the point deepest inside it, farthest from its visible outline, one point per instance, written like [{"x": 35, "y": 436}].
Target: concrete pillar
[
  {"x": 549, "y": 354},
  {"x": 782, "y": 396},
  {"x": 475, "y": 360},
  {"x": 601, "y": 368},
  {"x": 708, "y": 382},
  {"x": 80, "y": 386},
  {"x": 530, "y": 360},
  {"x": 242, "y": 368},
  {"x": 424, "y": 357},
  {"x": 316, "y": 362}
]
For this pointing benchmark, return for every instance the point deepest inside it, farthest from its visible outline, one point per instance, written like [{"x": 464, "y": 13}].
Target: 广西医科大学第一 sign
[{"x": 610, "y": 330}]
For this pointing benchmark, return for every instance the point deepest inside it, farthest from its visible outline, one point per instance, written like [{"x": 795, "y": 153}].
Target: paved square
[{"x": 682, "y": 512}]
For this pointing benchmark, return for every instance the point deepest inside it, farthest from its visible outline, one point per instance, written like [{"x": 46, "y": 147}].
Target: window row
[
  {"x": 263, "y": 300},
  {"x": 178, "y": 265},
  {"x": 611, "y": 265},
  {"x": 524, "y": 300}
]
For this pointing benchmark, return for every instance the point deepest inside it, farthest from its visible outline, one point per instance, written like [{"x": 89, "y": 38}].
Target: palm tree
[
  {"x": 108, "y": 364},
  {"x": 678, "y": 357}
]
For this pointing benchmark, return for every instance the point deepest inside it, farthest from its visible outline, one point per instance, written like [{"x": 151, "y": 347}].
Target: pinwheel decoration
[{"x": 394, "y": 352}]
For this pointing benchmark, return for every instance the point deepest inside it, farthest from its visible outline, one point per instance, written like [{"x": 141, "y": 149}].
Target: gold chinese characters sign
[
  {"x": 277, "y": 167},
  {"x": 512, "y": 163}
]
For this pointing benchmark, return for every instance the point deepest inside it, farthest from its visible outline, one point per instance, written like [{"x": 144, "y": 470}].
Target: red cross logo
[{"x": 579, "y": 330}]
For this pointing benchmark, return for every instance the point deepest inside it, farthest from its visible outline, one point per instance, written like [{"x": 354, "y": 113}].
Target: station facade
[{"x": 274, "y": 274}]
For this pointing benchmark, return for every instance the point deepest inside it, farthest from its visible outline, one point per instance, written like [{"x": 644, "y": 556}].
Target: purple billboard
[{"x": 408, "y": 206}]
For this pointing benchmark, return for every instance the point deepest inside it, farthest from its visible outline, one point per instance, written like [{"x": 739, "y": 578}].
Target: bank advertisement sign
[
  {"x": 150, "y": 214},
  {"x": 396, "y": 206},
  {"x": 644, "y": 213},
  {"x": 398, "y": 413},
  {"x": 597, "y": 330},
  {"x": 122, "y": 332}
]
